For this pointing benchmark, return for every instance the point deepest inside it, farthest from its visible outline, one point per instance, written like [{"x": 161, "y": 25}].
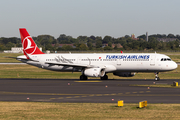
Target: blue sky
[{"x": 115, "y": 18}]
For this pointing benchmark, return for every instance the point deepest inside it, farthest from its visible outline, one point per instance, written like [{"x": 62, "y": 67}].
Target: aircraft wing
[{"x": 71, "y": 64}]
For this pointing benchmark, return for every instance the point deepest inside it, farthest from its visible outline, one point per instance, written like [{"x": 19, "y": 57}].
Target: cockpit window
[
  {"x": 168, "y": 59},
  {"x": 165, "y": 59}
]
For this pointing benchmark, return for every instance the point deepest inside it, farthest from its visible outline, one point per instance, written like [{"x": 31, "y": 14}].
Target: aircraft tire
[
  {"x": 157, "y": 78},
  {"x": 83, "y": 77},
  {"x": 105, "y": 77}
]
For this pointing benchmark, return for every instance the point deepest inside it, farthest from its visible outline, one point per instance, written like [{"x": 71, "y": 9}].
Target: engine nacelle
[
  {"x": 124, "y": 74},
  {"x": 94, "y": 72}
]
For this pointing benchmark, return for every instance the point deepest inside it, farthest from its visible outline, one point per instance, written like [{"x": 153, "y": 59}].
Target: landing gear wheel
[
  {"x": 105, "y": 77},
  {"x": 83, "y": 77},
  {"x": 157, "y": 78}
]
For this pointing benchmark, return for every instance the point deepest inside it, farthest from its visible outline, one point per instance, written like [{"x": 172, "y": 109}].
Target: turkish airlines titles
[{"x": 127, "y": 57}]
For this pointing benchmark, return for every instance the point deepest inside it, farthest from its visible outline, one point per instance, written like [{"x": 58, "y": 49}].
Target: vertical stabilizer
[{"x": 29, "y": 46}]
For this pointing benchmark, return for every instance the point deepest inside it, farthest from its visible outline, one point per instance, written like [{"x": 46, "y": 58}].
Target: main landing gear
[
  {"x": 83, "y": 77},
  {"x": 105, "y": 77},
  {"x": 156, "y": 76}
]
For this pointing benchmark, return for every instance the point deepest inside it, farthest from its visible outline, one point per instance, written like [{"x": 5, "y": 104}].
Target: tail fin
[{"x": 29, "y": 46}]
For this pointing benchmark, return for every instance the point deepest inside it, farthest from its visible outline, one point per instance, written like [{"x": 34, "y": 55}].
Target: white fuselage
[{"x": 112, "y": 62}]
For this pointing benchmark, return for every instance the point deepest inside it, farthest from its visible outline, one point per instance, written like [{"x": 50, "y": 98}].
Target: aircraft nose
[{"x": 174, "y": 65}]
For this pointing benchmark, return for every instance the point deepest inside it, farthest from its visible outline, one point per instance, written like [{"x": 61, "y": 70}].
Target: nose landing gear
[{"x": 156, "y": 76}]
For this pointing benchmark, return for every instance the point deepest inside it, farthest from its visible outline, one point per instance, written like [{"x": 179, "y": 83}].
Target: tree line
[{"x": 83, "y": 43}]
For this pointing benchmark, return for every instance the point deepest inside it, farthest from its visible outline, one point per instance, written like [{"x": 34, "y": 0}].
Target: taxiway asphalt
[{"x": 90, "y": 91}]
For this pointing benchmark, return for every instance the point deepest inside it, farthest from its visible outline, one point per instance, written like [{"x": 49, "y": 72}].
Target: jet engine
[
  {"x": 94, "y": 72},
  {"x": 124, "y": 74}
]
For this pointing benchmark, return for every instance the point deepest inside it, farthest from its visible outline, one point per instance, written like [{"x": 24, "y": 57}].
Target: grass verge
[
  {"x": 3, "y": 58},
  {"x": 87, "y": 111}
]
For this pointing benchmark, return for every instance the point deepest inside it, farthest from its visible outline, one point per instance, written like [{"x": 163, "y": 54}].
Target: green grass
[
  {"x": 3, "y": 58},
  {"x": 27, "y": 71},
  {"x": 175, "y": 58},
  {"x": 86, "y": 111}
]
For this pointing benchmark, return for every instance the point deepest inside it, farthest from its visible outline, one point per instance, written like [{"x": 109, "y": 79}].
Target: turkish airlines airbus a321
[{"x": 94, "y": 65}]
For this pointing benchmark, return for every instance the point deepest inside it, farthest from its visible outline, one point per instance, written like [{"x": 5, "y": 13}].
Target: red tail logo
[{"x": 29, "y": 46}]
